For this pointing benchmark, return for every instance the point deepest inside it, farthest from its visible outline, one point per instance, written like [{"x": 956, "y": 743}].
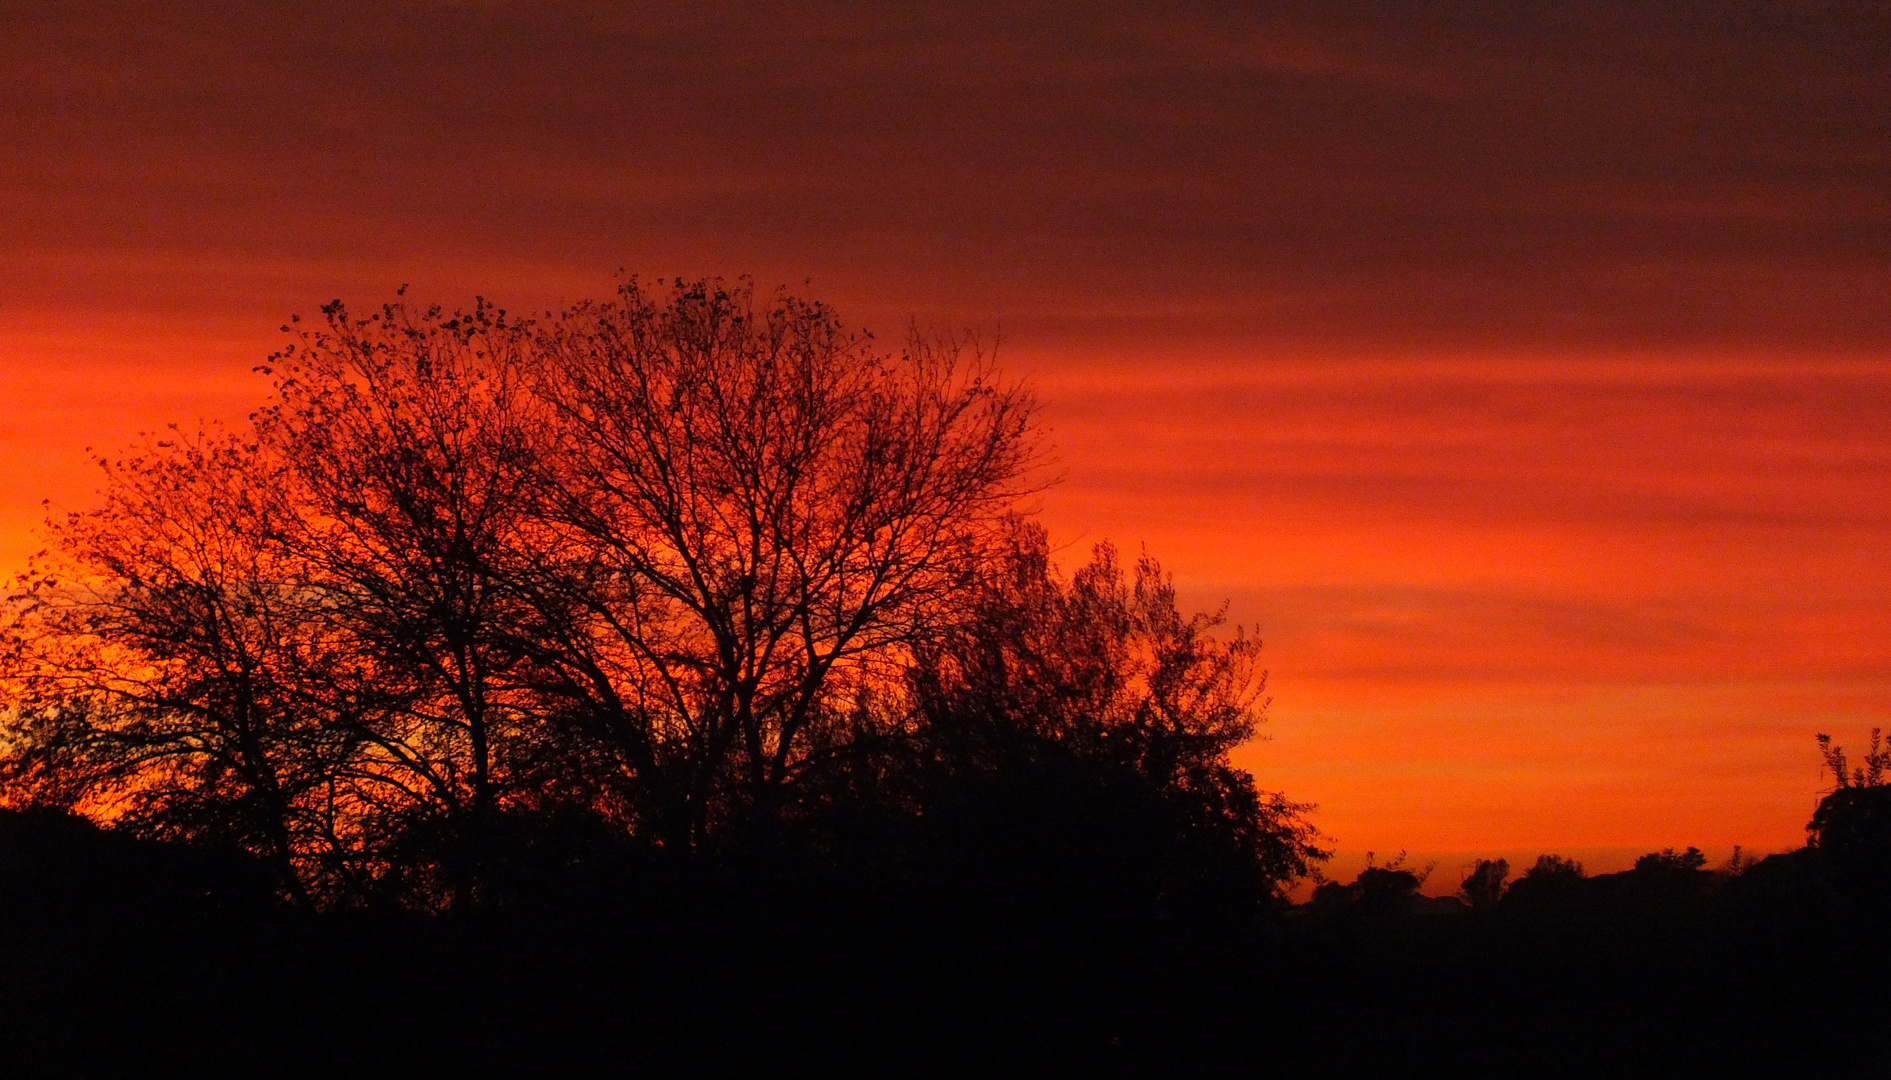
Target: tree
[
  {"x": 1669, "y": 860},
  {"x": 1549, "y": 878},
  {"x": 1554, "y": 868},
  {"x": 1868, "y": 775},
  {"x": 161, "y": 672},
  {"x": 1386, "y": 890},
  {"x": 640, "y": 561},
  {"x": 1103, "y": 673},
  {"x": 1484, "y": 885},
  {"x": 685, "y": 569},
  {"x": 1850, "y": 830},
  {"x": 759, "y": 515},
  {"x": 409, "y": 442}
]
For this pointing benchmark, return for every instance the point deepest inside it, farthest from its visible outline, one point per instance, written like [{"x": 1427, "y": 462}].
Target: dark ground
[{"x": 127, "y": 958}]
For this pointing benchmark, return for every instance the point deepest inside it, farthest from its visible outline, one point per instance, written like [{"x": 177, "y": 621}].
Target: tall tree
[{"x": 409, "y": 440}]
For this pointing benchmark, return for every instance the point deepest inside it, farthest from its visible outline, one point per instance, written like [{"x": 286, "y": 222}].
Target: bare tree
[
  {"x": 683, "y": 563},
  {"x": 408, "y": 440},
  {"x": 160, "y": 665},
  {"x": 759, "y": 510}
]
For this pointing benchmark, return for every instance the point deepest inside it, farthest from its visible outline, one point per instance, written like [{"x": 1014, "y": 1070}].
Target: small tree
[
  {"x": 1104, "y": 669},
  {"x": 1387, "y": 889},
  {"x": 164, "y": 673},
  {"x": 1484, "y": 885},
  {"x": 1851, "y": 828},
  {"x": 1550, "y": 879},
  {"x": 1868, "y": 775}
]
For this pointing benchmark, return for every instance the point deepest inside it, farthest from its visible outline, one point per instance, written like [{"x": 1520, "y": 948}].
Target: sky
[{"x": 1520, "y": 372}]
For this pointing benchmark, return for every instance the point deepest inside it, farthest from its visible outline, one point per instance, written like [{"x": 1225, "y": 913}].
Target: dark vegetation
[{"x": 673, "y": 686}]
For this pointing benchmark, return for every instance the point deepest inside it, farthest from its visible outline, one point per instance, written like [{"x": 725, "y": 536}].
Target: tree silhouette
[
  {"x": 652, "y": 561},
  {"x": 1104, "y": 669},
  {"x": 1484, "y": 885},
  {"x": 1549, "y": 878},
  {"x": 1669, "y": 860},
  {"x": 759, "y": 515},
  {"x": 1851, "y": 828},
  {"x": 1554, "y": 868},
  {"x": 163, "y": 669},
  {"x": 410, "y": 443},
  {"x": 1870, "y": 774}
]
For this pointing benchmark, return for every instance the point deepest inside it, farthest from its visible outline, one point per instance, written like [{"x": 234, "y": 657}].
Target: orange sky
[{"x": 1522, "y": 376}]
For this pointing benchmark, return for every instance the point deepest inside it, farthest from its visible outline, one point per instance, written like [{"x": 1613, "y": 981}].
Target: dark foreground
[{"x": 130, "y": 958}]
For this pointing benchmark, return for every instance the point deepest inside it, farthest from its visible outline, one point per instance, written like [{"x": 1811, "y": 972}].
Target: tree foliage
[
  {"x": 1850, "y": 829},
  {"x": 1868, "y": 775},
  {"x": 754, "y": 516},
  {"x": 1111, "y": 674},
  {"x": 1484, "y": 885},
  {"x": 1668, "y": 860},
  {"x": 693, "y": 568},
  {"x": 1554, "y": 868}
]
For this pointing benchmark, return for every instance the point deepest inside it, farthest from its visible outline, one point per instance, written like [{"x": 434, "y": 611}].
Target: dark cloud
[{"x": 1575, "y": 174}]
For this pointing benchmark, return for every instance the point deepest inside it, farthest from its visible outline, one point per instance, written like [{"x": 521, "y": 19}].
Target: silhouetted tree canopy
[
  {"x": 1669, "y": 860},
  {"x": 1850, "y": 831},
  {"x": 1554, "y": 868},
  {"x": 1484, "y": 885},
  {"x": 1869, "y": 774},
  {"x": 1550, "y": 877},
  {"x": 691, "y": 569}
]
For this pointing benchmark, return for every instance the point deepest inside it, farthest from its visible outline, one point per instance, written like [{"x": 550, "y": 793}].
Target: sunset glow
[{"x": 1524, "y": 384}]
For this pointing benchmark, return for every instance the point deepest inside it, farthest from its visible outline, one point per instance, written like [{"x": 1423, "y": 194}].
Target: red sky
[{"x": 1522, "y": 375}]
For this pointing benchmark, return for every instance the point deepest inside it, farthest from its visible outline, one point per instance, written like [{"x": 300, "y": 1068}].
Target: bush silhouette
[
  {"x": 1851, "y": 831},
  {"x": 1552, "y": 878},
  {"x": 1670, "y": 861},
  {"x": 1384, "y": 890}
]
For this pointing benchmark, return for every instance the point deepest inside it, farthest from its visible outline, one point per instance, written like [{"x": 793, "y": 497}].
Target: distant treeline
[{"x": 481, "y": 606}]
